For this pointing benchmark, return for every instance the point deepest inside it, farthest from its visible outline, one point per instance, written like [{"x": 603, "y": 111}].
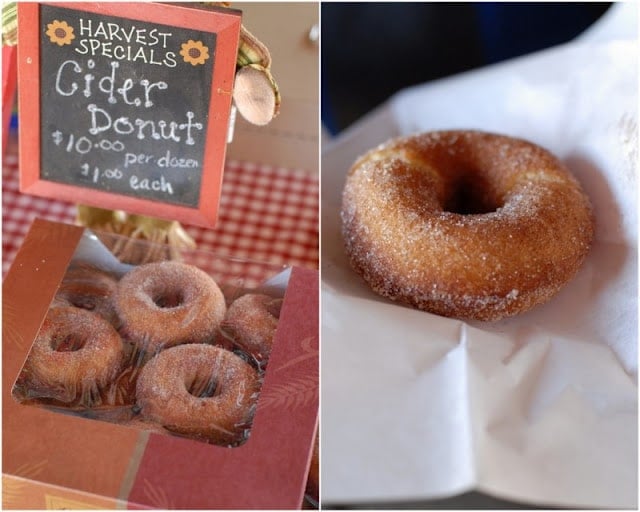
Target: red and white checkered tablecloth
[{"x": 267, "y": 214}]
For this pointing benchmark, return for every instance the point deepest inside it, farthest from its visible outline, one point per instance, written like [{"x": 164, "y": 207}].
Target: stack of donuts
[{"x": 161, "y": 342}]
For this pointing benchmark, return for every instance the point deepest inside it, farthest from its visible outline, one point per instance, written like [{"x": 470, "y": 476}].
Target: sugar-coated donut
[
  {"x": 465, "y": 224},
  {"x": 75, "y": 356},
  {"x": 168, "y": 303},
  {"x": 199, "y": 390},
  {"x": 90, "y": 288},
  {"x": 250, "y": 323}
]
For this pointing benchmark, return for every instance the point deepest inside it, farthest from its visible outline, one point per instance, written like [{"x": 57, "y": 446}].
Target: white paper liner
[{"x": 540, "y": 408}]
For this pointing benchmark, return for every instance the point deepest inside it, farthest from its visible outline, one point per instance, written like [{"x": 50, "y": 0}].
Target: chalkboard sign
[{"x": 126, "y": 105}]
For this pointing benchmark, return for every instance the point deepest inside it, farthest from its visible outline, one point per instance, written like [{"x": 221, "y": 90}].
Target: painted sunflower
[
  {"x": 194, "y": 52},
  {"x": 60, "y": 32}
]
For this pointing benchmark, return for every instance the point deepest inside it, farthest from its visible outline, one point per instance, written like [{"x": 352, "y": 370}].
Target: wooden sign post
[{"x": 126, "y": 105}]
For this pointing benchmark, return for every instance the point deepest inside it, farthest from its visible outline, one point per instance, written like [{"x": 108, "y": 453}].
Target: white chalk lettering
[
  {"x": 101, "y": 31},
  {"x": 74, "y": 86},
  {"x": 170, "y": 60},
  {"x": 140, "y": 55},
  {"x": 88, "y": 78},
  {"x": 160, "y": 185},
  {"x": 114, "y": 32},
  {"x": 132, "y": 43},
  {"x": 85, "y": 27},
  {"x": 142, "y": 124},
  {"x": 95, "y": 113},
  {"x": 119, "y": 53},
  {"x": 97, "y": 47},
  {"x": 82, "y": 49},
  {"x": 172, "y": 134},
  {"x": 140, "y": 159},
  {"x": 188, "y": 125},
  {"x": 123, "y": 126},
  {"x": 111, "y": 80},
  {"x": 106, "y": 49},
  {"x": 67, "y": 86},
  {"x": 168, "y": 161},
  {"x": 148, "y": 86},
  {"x": 101, "y": 121},
  {"x": 127, "y": 86}
]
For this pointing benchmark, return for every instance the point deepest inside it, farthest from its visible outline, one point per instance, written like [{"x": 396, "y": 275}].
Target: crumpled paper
[{"x": 540, "y": 408}]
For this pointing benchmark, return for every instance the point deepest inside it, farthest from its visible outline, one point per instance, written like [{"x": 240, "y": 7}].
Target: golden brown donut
[
  {"x": 199, "y": 390},
  {"x": 89, "y": 288},
  {"x": 465, "y": 224},
  {"x": 168, "y": 303},
  {"x": 75, "y": 356},
  {"x": 250, "y": 323}
]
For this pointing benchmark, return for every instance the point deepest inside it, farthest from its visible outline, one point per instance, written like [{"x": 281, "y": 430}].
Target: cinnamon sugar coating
[
  {"x": 250, "y": 323},
  {"x": 465, "y": 224},
  {"x": 74, "y": 357},
  {"x": 199, "y": 390},
  {"x": 168, "y": 303},
  {"x": 90, "y": 288}
]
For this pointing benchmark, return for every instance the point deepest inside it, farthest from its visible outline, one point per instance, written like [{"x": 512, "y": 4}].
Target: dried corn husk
[
  {"x": 9, "y": 24},
  {"x": 167, "y": 238}
]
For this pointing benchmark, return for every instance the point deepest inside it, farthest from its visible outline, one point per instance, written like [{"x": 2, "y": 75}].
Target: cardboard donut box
[{"x": 57, "y": 460}]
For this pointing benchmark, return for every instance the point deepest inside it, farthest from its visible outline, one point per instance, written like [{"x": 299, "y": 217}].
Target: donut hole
[
  {"x": 87, "y": 303},
  {"x": 67, "y": 343},
  {"x": 472, "y": 196},
  {"x": 168, "y": 299},
  {"x": 203, "y": 387}
]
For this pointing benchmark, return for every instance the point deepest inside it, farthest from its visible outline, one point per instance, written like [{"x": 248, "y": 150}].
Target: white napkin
[{"x": 539, "y": 408}]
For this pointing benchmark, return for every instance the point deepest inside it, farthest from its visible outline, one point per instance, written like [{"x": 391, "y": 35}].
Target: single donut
[
  {"x": 75, "y": 356},
  {"x": 89, "y": 288},
  {"x": 199, "y": 390},
  {"x": 251, "y": 322},
  {"x": 168, "y": 303},
  {"x": 465, "y": 224}
]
